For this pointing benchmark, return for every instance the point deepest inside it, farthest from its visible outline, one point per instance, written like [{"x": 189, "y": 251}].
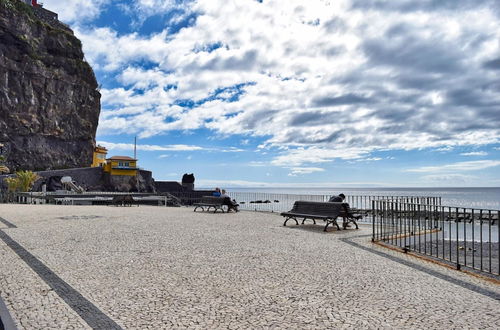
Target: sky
[{"x": 296, "y": 93}]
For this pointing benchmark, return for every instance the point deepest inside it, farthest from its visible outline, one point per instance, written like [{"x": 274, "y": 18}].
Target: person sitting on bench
[
  {"x": 337, "y": 199},
  {"x": 348, "y": 212},
  {"x": 231, "y": 204}
]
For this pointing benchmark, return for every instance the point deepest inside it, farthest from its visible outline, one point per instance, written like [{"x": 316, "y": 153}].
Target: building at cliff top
[
  {"x": 33, "y": 3},
  {"x": 46, "y": 15}
]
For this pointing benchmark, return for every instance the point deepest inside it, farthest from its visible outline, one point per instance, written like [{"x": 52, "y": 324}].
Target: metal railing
[
  {"x": 464, "y": 237},
  {"x": 251, "y": 201},
  {"x": 270, "y": 202}
]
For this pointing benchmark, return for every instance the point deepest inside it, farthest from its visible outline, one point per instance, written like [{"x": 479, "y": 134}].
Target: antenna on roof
[
  {"x": 137, "y": 172},
  {"x": 135, "y": 147}
]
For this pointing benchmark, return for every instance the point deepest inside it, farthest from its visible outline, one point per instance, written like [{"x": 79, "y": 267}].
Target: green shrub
[{"x": 23, "y": 181}]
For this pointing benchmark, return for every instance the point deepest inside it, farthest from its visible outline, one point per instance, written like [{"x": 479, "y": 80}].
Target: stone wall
[
  {"x": 89, "y": 178},
  {"x": 95, "y": 179},
  {"x": 50, "y": 18},
  {"x": 144, "y": 182}
]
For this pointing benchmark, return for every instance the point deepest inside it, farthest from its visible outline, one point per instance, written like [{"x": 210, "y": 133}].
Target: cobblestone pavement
[{"x": 168, "y": 268}]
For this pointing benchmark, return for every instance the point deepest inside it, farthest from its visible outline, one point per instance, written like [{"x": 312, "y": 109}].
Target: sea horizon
[{"x": 471, "y": 197}]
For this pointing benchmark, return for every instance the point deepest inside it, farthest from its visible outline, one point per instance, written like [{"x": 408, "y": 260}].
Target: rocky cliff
[{"x": 49, "y": 98}]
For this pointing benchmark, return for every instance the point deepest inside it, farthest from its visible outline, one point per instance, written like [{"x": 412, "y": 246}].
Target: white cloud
[
  {"x": 232, "y": 149},
  {"x": 172, "y": 147},
  {"x": 126, "y": 48},
  {"x": 143, "y": 9},
  {"x": 314, "y": 155},
  {"x": 461, "y": 166},
  {"x": 210, "y": 183},
  {"x": 475, "y": 153},
  {"x": 445, "y": 149},
  {"x": 369, "y": 159},
  {"x": 148, "y": 147},
  {"x": 328, "y": 81},
  {"x": 295, "y": 171},
  {"x": 76, "y": 11},
  {"x": 258, "y": 164},
  {"x": 450, "y": 179}
]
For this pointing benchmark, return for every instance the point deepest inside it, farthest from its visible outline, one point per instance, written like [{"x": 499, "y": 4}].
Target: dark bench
[
  {"x": 350, "y": 215},
  {"x": 210, "y": 201},
  {"x": 326, "y": 211},
  {"x": 123, "y": 200}
]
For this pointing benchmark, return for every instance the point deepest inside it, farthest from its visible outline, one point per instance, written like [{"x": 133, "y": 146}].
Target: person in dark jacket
[
  {"x": 347, "y": 210},
  {"x": 337, "y": 199}
]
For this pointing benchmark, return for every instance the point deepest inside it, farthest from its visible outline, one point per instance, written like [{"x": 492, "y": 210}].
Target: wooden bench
[
  {"x": 209, "y": 202},
  {"x": 326, "y": 211}
]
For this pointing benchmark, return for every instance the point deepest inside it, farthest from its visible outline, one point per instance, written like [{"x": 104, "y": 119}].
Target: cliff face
[{"x": 49, "y": 102}]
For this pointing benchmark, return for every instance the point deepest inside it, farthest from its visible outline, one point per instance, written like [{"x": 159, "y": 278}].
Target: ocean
[{"x": 481, "y": 198}]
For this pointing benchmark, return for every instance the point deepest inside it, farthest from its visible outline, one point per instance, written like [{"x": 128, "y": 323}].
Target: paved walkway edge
[
  {"x": 422, "y": 268},
  {"x": 5, "y": 318},
  {"x": 95, "y": 318},
  {"x": 7, "y": 223}
]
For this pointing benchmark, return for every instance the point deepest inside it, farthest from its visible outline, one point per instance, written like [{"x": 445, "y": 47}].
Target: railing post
[
  {"x": 383, "y": 219},
  {"x": 465, "y": 237},
  {"x": 419, "y": 228},
  {"x": 373, "y": 221},
  {"x": 398, "y": 221},
  {"x": 441, "y": 216},
  {"x": 392, "y": 222},
  {"x": 457, "y": 249},
  {"x": 489, "y": 238},
  {"x": 473, "y": 238}
]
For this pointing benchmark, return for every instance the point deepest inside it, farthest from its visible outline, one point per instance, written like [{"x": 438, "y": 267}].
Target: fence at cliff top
[
  {"x": 270, "y": 202},
  {"x": 464, "y": 237}
]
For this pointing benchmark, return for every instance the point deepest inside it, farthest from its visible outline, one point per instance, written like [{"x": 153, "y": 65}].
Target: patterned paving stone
[{"x": 154, "y": 267}]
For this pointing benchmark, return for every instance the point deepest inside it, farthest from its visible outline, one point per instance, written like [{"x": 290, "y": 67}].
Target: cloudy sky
[{"x": 343, "y": 93}]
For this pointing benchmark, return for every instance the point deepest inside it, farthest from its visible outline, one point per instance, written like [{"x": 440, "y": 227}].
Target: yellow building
[
  {"x": 99, "y": 158},
  {"x": 121, "y": 165}
]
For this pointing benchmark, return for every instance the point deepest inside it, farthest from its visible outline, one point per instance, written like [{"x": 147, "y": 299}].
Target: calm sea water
[{"x": 485, "y": 198}]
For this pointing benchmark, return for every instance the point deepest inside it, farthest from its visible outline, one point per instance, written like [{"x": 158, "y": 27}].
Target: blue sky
[{"x": 348, "y": 93}]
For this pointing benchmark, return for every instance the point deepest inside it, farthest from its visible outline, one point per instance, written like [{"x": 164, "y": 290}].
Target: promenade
[{"x": 82, "y": 267}]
